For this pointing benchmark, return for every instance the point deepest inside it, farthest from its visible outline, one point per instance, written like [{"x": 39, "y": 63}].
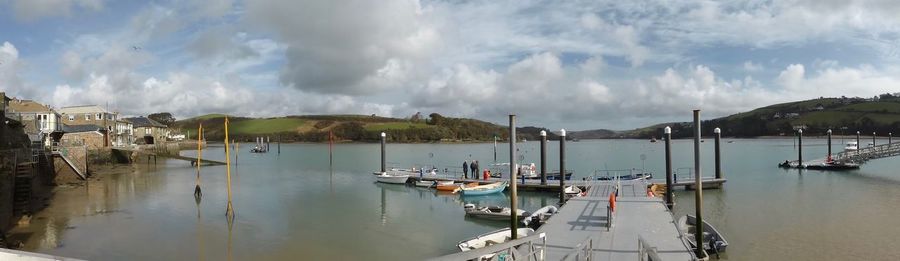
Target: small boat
[
  {"x": 258, "y": 150},
  {"x": 538, "y": 217},
  {"x": 424, "y": 183},
  {"x": 713, "y": 241},
  {"x": 483, "y": 189},
  {"x": 653, "y": 139},
  {"x": 493, "y": 212},
  {"x": 444, "y": 182},
  {"x": 392, "y": 178},
  {"x": 851, "y": 146},
  {"x": 453, "y": 187},
  {"x": 573, "y": 191},
  {"x": 491, "y": 238}
]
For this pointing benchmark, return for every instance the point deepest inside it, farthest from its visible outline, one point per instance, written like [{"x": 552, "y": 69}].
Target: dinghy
[
  {"x": 483, "y": 189},
  {"x": 453, "y": 187},
  {"x": 392, "y": 178},
  {"x": 493, "y": 212},
  {"x": 539, "y": 216},
  {"x": 424, "y": 183},
  {"x": 491, "y": 238},
  {"x": 713, "y": 241}
]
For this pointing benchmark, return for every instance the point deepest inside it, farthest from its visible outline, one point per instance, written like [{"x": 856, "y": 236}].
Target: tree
[
  {"x": 162, "y": 117},
  {"x": 436, "y": 119}
]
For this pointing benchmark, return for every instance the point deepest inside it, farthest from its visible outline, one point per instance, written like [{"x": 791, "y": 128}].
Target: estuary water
[{"x": 300, "y": 205}]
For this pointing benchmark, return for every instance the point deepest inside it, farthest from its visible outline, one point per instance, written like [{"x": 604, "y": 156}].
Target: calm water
[{"x": 294, "y": 206}]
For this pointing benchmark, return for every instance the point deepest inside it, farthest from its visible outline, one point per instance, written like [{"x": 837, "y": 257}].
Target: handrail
[
  {"x": 508, "y": 248},
  {"x": 646, "y": 251},
  {"x": 582, "y": 251}
]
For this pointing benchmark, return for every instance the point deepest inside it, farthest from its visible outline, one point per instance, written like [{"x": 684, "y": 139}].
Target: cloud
[
  {"x": 10, "y": 66},
  {"x": 751, "y": 67},
  {"x": 339, "y": 47},
  {"x": 31, "y": 10}
]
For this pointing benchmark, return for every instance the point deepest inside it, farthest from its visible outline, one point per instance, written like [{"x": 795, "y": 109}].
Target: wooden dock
[
  {"x": 193, "y": 160},
  {"x": 641, "y": 227}
]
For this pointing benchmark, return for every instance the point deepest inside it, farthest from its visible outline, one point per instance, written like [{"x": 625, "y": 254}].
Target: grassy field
[
  {"x": 207, "y": 117},
  {"x": 395, "y": 126},
  {"x": 264, "y": 126}
]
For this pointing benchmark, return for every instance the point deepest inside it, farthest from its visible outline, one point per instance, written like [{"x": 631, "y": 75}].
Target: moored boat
[
  {"x": 424, "y": 183},
  {"x": 635, "y": 176},
  {"x": 713, "y": 241},
  {"x": 851, "y": 146},
  {"x": 483, "y": 189},
  {"x": 538, "y": 217},
  {"x": 493, "y": 212},
  {"x": 573, "y": 191},
  {"x": 392, "y": 178},
  {"x": 491, "y": 238},
  {"x": 453, "y": 186}
]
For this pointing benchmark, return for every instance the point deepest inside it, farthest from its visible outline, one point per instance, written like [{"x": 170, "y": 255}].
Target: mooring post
[
  {"x": 562, "y": 166},
  {"x": 383, "y": 162},
  {"x": 279, "y": 144},
  {"x": 543, "y": 158},
  {"x": 828, "y": 159},
  {"x": 857, "y": 142},
  {"x": 718, "y": 133},
  {"x": 889, "y": 137},
  {"x": 873, "y": 139},
  {"x": 513, "y": 220},
  {"x": 229, "y": 209},
  {"x": 799, "y": 148},
  {"x": 670, "y": 201},
  {"x": 698, "y": 192},
  {"x": 495, "y": 150}
]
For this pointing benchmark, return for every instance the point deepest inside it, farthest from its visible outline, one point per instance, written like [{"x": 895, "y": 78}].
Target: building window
[
  {"x": 87, "y": 116},
  {"x": 99, "y": 116},
  {"x": 147, "y": 131},
  {"x": 71, "y": 117}
]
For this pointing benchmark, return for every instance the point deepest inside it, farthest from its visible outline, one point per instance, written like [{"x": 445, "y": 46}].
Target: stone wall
[
  {"x": 63, "y": 173},
  {"x": 93, "y": 139}
]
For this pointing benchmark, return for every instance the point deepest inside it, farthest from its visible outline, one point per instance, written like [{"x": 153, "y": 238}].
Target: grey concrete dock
[
  {"x": 636, "y": 216},
  {"x": 582, "y": 224}
]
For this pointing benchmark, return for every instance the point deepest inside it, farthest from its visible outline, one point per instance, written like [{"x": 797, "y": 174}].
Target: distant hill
[
  {"x": 315, "y": 128},
  {"x": 816, "y": 116},
  {"x": 593, "y": 134}
]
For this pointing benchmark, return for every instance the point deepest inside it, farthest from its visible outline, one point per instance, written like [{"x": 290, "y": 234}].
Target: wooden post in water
[
  {"x": 889, "y": 138},
  {"x": 562, "y": 166},
  {"x": 828, "y": 158},
  {"x": 197, "y": 192},
  {"x": 800, "y": 148},
  {"x": 858, "y": 146},
  {"x": 383, "y": 162},
  {"x": 495, "y": 152},
  {"x": 698, "y": 192},
  {"x": 670, "y": 200},
  {"x": 279, "y": 144},
  {"x": 718, "y": 133},
  {"x": 229, "y": 210},
  {"x": 513, "y": 198},
  {"x": 543, "y": 158},
  {"x": 873, "y": 139}
]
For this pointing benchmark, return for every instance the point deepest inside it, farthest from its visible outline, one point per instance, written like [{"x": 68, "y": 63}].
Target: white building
[{"x": 37, "y": 119}]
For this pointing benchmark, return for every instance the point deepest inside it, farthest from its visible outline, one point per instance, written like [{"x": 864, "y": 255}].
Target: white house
[{"x": 38, "y": 120}]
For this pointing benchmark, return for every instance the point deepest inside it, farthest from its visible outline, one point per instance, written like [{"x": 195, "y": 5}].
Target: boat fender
[
  {"x": 469, "y": 205},
  {"x": 532, "y": 167},
  {"x": 612, "y": 201}
]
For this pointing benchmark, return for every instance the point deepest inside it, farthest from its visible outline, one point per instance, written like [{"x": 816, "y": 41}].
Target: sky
[{"x": 556, "y": 64}]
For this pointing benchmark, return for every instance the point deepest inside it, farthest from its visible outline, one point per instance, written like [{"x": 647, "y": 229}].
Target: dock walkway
[
  {"x": 641, "y": 226},
  {"x": 205, "y": 162},
  {"x": 636, "y": 216}
]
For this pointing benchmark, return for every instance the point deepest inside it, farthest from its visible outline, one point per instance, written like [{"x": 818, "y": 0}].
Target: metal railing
[
  {"x": 868, "y": 153},
  {"x": 509, "y": 251},
  {"x": 583, "y": 251},
  {"x": 646, "y": 251}
]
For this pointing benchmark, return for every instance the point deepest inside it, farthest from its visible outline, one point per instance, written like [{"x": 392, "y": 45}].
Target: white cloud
[
  {"x": 10, "y": 66},
  {"x": 30, "y": 10},
  {"x": 751, "y": 67}
]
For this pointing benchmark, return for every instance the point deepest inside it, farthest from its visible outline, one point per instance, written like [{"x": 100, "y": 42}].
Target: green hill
[
  {"x": 316, "y": 128},
  {"x": 816, "y": 116}
]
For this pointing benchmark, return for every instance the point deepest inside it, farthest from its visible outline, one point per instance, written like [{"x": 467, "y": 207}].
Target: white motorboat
[
  {"x": 424, "y": 183},
  {"x": 493, "y": 212},
  {"x": 538, "y": 217},
  {"x": 851, "y": 146},
  {"x": 492, "y": 238},
  {"x": 392, "y": 178},
  {"x": 573, "y": 191}
]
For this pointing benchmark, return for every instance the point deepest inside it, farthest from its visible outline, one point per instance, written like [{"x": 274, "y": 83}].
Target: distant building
[
  {"x": 88, "y": 135},
  {"x": 148, "y": 131},
  {"x": 123, "y": 134},
  {"x": 91, "y": 115},
  {"x": 791, "y": 115},
  {"x": 38, "y": 120}
]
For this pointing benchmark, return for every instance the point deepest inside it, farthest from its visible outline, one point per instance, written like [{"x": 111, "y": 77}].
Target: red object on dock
[{"x": 487, "y": 174}]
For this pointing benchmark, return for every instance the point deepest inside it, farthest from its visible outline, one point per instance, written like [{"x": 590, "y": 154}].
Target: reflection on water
[{"x": 298, "y": 205}]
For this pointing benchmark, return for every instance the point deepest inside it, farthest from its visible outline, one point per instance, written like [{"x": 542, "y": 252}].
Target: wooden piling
[
  {"x": 828, "y": 157},
  {"x": 698, "y": 193},
  {"x": 670, "y": 200},
  {"x": 513, "y": 171},
  {"x": 197, "y": 191},
  {"x": 383, "y": 162},
  {"x": 543, "y": 158},
  {"x": 229, "y": 210},
  {"x": 718, "y": 133},
  {"x": 562, "y": 166},
  {"x": 800, "y": 148}
]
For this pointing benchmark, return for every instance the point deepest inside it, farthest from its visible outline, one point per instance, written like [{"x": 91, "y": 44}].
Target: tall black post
[
  {"x": 800, "y": 148},
  {"x": 383, "y": 162},
  {"x": 670, "y": 200},
  {"x": 718, "y": 133},
  {"x": 495, "y": 152},
  {"x": 543, "y": 158},
  {"x": 873, "y": 139},
  {"x": 698, "y": 192},
  {"x": 858, "y": 145},
  {"x": 513, "y": 171},
  {"x": 829, "y": 145},
  {"x": 889, "y": 137},
  {"x": 562, "y": 166}
]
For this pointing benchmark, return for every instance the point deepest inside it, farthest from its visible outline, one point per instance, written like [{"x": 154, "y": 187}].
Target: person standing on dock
[
  {"x": 466, "y": 168},
  {"x": 474, "y": 167}
]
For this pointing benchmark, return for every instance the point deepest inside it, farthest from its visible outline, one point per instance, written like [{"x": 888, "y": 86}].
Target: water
[{"x": 294, "y": 206}]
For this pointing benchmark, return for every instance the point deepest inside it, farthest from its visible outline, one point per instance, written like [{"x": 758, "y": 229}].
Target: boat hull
[
  {"x": 713, "y": 241},
  {"x": 392, "y": 179},
  {"x": 494, "y": 237}
]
